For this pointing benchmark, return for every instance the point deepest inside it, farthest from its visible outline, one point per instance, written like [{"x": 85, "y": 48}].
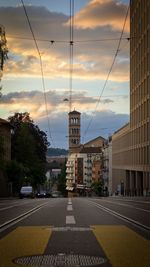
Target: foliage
[
  {"x": 1, "y": 152},
  {"x": 3, "y": 47},
  {"x": 61, "y": 185},
  {"x": 16, "y": 174},
  {"x": 56, "y": 152},
  {"x": 97, "y": 188},
  {"x": 29, "y": 147}
]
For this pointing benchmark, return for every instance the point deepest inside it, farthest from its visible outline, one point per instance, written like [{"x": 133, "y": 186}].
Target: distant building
[
  {"x": 84, "y": 166},
  {"x": 107, "y": 166},
  {"x": 5, "y": 143}
]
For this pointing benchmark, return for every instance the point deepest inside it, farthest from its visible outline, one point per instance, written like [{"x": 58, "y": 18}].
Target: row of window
[
  {"x": 140, "y": 92},
  {"x": 75, "y": 141},
  {"x": 74, "y": 121},
  {"x": 139, "y": 16},
  {"x": 75, "y": 131},
  {"x": 140, "y": 113},
  {"x": 139, "y": 71},
  {"x": 136, "y": 156}
]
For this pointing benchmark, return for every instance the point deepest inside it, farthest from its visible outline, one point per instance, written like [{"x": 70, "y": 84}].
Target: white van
[{"x": 26, "y": 191}]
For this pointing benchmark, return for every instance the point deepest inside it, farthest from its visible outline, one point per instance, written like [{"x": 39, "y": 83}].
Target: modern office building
[{"x": 131, "y": 145}]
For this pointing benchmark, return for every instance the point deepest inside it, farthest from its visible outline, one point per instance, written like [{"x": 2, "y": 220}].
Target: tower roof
[{"x": 74, "y": 112}]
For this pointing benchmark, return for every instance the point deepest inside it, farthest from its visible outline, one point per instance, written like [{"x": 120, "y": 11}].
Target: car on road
[
  {"x": 56, "y": 194},
  {"x": 26, "y": 191},
  {"x": 43, "y": 194}
]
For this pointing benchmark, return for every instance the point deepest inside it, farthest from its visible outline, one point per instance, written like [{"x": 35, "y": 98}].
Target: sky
[{"x": 97, "y": 27}]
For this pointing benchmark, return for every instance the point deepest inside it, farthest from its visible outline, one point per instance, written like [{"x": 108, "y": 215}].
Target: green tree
[
  {"x": 61, "y": 185},
  {"x": 97, "y": 188},
  {"x": 29, "y": 147},
  {"x": 1, "y": 152},
  {"x": 16, "y": 175}
]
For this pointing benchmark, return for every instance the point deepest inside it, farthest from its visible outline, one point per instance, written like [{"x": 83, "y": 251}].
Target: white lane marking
[
  {"x": 69, "y": 201},
  {"x": 120, "y": 216},
  {"x": 70, "y": 220},
  {"x": 69, "y": 208},
  {"x": 126, "y": 205}
]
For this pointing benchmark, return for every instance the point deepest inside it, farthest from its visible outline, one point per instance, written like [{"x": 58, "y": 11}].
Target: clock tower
[{"x": 74, "y": 131}]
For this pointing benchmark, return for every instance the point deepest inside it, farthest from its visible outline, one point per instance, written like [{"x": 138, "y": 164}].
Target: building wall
[
  {"x": 131, "y": 144},
  {"x": 110, "y": 169},
  {"x": 140, "y": 96},
  {"x": 140, "y": 85},
  {"x": 97, "y": 142}
]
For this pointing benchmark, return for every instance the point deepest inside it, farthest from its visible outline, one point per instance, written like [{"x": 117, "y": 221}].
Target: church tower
[{"x": 74, "y": 131}]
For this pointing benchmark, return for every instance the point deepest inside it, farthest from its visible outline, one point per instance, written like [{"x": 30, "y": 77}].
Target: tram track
[
  {"x": 121, "y": 216},
  {"x": 22, "y": 216}
]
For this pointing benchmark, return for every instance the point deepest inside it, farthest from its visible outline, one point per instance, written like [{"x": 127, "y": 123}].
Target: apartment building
[{"x": 131, "y": 145}]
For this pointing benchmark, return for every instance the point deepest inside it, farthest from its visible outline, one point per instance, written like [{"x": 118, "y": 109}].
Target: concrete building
[
  {"x": 84, "y": 165},
  {"x": 131, "y": 144},
  {"x": 121, "y": 159},
  {"x": 107, "y": 166}
]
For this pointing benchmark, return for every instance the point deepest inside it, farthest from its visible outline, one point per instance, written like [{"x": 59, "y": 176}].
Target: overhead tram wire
[
  {"x": 71, "y": 52},
  {"x": 65, "y": 41},
  {"x": 42, "y": 73},
  {"x": 109, "y": 72}
]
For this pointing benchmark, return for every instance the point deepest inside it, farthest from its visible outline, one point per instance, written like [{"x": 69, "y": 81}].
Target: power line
[
  {"x": 42, "y": 73},
  {"x": 71, "y": 52},
  {"x": 67, "y": 41},
  {"x": 109, "y": 72}
]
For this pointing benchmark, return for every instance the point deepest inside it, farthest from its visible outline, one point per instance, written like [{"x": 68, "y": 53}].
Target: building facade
[
  {"x": 131, "y": 144},
  {"x": 83, "y": 169},
  {"x": 139, "y": 176}
]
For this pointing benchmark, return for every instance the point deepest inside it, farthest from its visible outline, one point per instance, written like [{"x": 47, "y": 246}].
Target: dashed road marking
[
  {"x": 69, "y": 208},
  {"x": 70, "y": 220},
  {"x": 69, "y": 201}
]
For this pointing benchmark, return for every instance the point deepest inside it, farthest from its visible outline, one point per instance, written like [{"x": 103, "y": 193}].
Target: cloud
[
  {"x": 34, "y": 102},
  {"x": 104, "y": 123},
  {"x": 47, "y": 26},
  {"x": 102, "y": 13}
]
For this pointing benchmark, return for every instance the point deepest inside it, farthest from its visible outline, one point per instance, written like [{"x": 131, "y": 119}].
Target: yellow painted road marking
[
  {"x": 23, "y": 241},
  {"x": 122, "y": 246}
]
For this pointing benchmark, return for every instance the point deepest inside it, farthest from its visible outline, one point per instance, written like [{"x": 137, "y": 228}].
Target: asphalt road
[{"x": 75, "y": 232}]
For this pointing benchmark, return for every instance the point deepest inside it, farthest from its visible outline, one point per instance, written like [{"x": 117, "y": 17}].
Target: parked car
[
  {"x": 56, "y": 194},
  {"x": 26, "y": 191},
  {"x": 42, "y": 194}
]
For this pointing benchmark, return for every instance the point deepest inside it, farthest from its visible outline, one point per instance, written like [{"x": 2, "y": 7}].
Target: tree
[
  {"x": 3, "y": 51},
  {"x": 97, "y": 188},
  {"x": 2, "y": 151},
  {"x": 3, "y": 47},
  {"x": 62, "y": 181},
  {"x": 16, "y": 175},
  {"x": 29, "y": 147}
]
